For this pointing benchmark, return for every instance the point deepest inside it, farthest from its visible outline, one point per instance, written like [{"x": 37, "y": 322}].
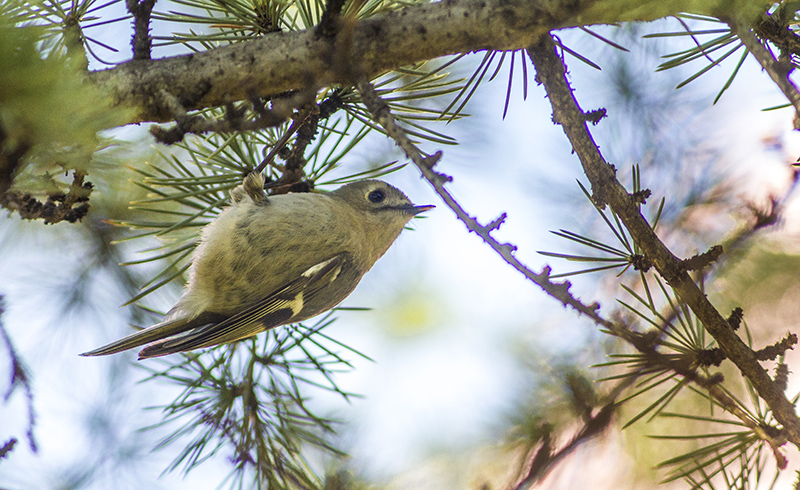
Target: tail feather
[{"x": 159, "y": 331}]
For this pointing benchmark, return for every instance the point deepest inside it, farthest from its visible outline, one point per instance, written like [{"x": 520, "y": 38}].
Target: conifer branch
[
  {"x": 283, "y": 61},
  {"x": 551, "y": 72}
]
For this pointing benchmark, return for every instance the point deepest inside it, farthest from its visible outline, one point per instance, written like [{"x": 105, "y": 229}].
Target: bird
[{"x": 268, "y": 261}]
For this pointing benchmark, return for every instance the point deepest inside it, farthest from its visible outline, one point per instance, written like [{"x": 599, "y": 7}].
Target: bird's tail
[{"x": 165, "y": 329}]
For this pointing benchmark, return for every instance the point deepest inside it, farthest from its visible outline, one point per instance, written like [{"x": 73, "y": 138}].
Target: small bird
[{"x": 271, "y": 261}]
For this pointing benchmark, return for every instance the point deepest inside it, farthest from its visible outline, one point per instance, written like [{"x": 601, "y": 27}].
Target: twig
[
  {"x": 329, "y": 23},
  {"x": 71, "y": 207},
  {"x": 703, "y": 260},
  {"x": 545, "y": 459},
  {"x": 7, "y": 447},
  {"x": 141, "y": 41},
  {"x": 19, "y": 377},
  {"x": 304, "y": 124},
  {"x": 380, "y": 112},
  {"x": 282, "y": 110}
]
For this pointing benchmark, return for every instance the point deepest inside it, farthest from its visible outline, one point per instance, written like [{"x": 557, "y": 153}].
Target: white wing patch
[
  {"x": 316, "y": 268},
  {"x": 296, "y": 304}
]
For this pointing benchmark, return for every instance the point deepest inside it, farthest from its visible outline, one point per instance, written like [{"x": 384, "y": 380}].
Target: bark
[{"x": 284, "y": 61}]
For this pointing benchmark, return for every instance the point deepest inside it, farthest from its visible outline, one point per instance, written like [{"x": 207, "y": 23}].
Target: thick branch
[
  {"x": 284, "y": 61},
  {"x": 551, "y": 73}
]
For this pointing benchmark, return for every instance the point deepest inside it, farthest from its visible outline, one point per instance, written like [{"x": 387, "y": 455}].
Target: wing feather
[{"x": 277, "y": 308}]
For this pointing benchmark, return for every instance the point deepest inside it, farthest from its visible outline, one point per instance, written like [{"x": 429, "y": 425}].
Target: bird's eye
[{"x": 376, "y": 196}]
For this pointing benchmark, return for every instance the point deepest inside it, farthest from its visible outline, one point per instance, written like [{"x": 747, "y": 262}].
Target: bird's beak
[{"x": 414, "y": 210}]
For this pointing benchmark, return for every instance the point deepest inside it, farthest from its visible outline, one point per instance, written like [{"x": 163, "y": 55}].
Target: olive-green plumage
[{"x": 266, "y": 262}]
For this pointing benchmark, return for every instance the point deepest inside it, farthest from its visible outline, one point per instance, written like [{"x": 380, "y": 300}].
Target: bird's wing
[
  {"x": 158, "y": 331},
  {"x": 274, "y": 310}
]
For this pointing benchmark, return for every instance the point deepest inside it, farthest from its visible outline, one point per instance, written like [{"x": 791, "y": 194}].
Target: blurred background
[{"x": 460, "y": 345}]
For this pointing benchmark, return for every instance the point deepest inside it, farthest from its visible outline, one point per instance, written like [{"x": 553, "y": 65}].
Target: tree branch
[
  {"x": 647, "y": 344},
  {"x": 777, "y": 71},
  {"x": 284, "y": 61},
  {"x": 551, "y": 72},
  {"x": 560, "y": 291}
]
